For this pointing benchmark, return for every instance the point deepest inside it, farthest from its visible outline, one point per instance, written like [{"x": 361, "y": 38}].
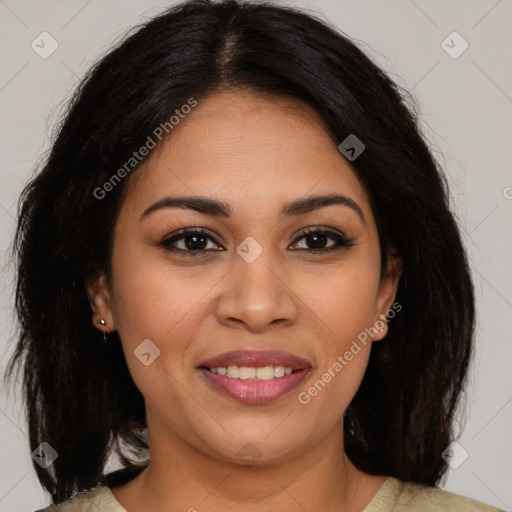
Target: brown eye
[
  {"x": 318, "y": 240},
  {"x": 193, "y": 242}
]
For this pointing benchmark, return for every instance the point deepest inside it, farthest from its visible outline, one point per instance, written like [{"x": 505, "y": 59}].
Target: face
[{"x": 267, "y": 270}]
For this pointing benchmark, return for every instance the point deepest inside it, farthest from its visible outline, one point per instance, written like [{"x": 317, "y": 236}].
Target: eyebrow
[{"x": 215, "y": 208}]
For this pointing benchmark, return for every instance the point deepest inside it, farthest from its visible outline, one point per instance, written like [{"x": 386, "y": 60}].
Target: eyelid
[
  {"x": 342, "y": 240},
  {"x": 321, "y": 229},
  {"x": 191, "y": 231},
  {"x": 165, "y": 242}
]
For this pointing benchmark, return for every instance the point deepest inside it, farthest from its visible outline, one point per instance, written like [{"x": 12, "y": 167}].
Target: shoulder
[
  {"x": 436, "y": 499},
  {"x": 99, "y": 498},
  {"x": 397, "y": 495}
]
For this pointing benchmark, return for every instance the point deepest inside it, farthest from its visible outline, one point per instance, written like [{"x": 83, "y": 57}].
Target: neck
[{"x": 180, "y": 477}]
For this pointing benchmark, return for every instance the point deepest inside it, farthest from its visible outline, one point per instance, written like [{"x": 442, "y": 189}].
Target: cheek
[
  {"x": 345, "y": 301},
  {"x": 344, "y": 306},
  {"x": 154, "y": 301},
  {"x": 151, "y": 299},
  {"x": 153, "y": 316}
]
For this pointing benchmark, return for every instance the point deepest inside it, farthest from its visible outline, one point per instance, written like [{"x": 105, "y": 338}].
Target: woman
[{"x": 241, "y": 203}]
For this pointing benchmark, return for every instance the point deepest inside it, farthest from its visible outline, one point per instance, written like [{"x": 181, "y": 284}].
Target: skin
[{"x": 255, "y": 154}]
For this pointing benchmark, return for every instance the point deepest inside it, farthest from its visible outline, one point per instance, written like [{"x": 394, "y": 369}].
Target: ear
[
  {"x": 100, "y": 301},
  {"x": 386, "y": 294}
]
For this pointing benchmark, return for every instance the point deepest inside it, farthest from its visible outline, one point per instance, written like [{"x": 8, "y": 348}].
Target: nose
[{"x": 257, "y": 296}]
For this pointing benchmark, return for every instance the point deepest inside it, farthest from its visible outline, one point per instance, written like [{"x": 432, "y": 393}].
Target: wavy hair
[{"x": 79, "y": 395}]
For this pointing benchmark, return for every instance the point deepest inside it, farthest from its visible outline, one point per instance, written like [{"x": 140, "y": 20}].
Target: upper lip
[{"x": 256, "y": 358}]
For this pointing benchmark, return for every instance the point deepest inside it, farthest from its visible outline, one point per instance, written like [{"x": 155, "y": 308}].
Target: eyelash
[{"x": 342, "y": 241}]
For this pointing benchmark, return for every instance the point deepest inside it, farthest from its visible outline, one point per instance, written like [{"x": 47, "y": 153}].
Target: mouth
[{"x": 255, "y": 376}]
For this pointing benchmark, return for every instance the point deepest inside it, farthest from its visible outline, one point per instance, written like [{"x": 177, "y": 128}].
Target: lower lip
[{"x": 255, "y": 391}]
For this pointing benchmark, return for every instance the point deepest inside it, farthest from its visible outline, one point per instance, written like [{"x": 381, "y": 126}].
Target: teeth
[
  {"x": 265, "y": 373},
  {"x": 278, "y": 371},
  {"x": 247, "y": 373},
  {"x": 234, "y": 372},
  {"x": 251, "y": 373}
]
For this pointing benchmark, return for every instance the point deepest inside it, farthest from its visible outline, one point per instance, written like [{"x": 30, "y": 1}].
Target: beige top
[{"x": 393, "y": 496}]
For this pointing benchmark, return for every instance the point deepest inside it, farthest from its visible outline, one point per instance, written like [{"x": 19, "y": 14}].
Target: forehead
[{"x": 250, "y": 150}]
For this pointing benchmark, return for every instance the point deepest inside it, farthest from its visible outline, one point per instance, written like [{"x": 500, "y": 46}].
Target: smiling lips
[{"x": 255, "y": 376}]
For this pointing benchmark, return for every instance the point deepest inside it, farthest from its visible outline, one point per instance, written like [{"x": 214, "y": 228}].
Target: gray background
[{"x": 465, "y": 104}]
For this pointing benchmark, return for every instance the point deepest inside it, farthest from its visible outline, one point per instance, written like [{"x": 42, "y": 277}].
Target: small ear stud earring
[{"x": 103, "y": 323}]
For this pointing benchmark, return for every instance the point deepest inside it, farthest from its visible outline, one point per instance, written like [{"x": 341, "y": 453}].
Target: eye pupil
[
  {"x": 193, "y": 244},
  {"x": 316, "y": 237}
]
